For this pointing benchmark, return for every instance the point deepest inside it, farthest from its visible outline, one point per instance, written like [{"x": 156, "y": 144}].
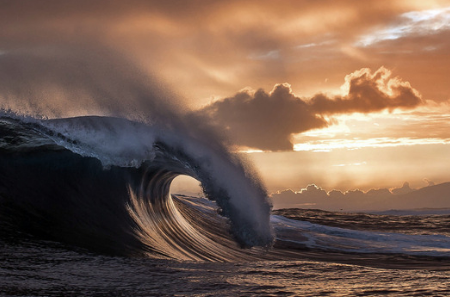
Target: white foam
[{"x": 113, "y": 141}]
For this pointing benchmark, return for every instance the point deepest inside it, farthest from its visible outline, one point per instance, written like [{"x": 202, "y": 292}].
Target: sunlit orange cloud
[
  {"x": 352, "y": 144},
  {"x": 209, "y": 50},
  {"x": 364, "y": 168},
  {"x": 266, "y": 121},
  {"x": 427, "y": 124}
]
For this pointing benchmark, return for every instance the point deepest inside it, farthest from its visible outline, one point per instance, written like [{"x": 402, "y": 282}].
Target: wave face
[{"x": 104, "y": 183}]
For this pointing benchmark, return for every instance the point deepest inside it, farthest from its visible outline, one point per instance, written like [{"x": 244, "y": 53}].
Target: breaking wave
[{"x": 104, "y": 183}]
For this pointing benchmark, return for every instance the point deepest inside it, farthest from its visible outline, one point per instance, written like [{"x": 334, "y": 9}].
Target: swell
[{"x": 63, "y": 180}]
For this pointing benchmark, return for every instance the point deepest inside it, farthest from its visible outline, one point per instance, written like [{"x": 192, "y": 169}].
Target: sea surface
[
  {"x": 34, "y": 267},
  {"x": 86, "y": 210}
]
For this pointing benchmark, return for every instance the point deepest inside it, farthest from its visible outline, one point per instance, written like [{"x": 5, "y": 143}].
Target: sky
[{"x": 341, "y": 94}]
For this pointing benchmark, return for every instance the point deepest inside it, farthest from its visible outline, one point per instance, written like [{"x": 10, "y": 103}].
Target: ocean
[{"x": 86, "y": 210}]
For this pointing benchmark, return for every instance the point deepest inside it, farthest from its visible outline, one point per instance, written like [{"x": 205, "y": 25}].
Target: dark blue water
[{"x": 39, "y": 268}]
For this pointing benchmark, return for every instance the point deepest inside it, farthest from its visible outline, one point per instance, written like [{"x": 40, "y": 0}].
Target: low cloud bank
[
  {"x": 266, "y": 121},
  {"x": 314, "y": 197}
]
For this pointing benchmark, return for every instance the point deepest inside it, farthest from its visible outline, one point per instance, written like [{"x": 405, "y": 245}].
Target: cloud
[
  {"x": 423, "y": 22},
  {"x": 429, "y": 182},
  {"x": 403, "y": 190},
  {"x": 263, "y": 120},
  {"x": 369, "y": 92},
  {"x": 266, "y": 121},
  {"x": 204, "y": 50},
  {"x": 215, "y": 48},
  {"x": 314, "y": 197}
]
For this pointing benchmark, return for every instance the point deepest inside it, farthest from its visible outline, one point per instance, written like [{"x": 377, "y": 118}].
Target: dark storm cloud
[
  {"x": 369, "y": 92},
  {"x": 263, "y": 120},
  {"x": 267, "y": 120}
]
